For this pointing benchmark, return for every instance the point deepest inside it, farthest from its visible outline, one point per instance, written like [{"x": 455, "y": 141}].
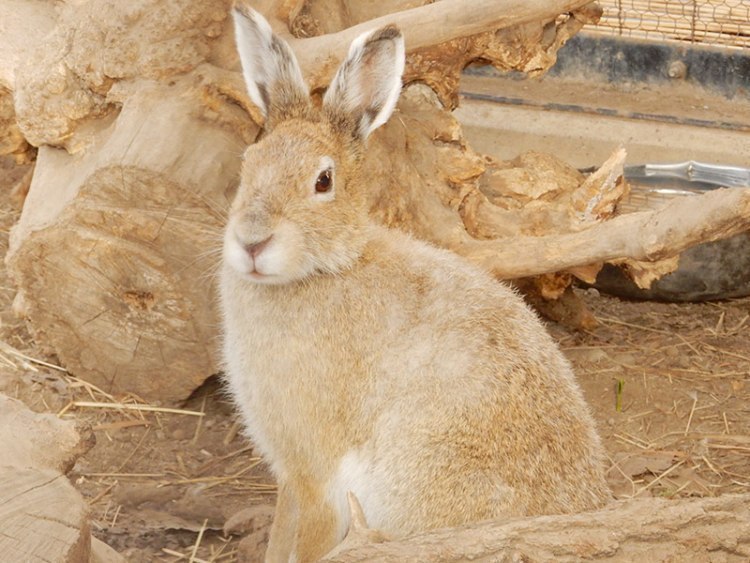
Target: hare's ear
[
  {"x": 365, "y": 90},
  {"x": 272, "y": 75}
]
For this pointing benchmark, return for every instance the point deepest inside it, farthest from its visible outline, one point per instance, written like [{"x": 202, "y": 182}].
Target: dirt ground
[
  {"x": 582, "y": 122},
  {"x": 669, "y": 385}
]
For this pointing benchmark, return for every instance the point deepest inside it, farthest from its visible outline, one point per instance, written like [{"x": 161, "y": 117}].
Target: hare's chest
[
  {"x": 267, "y": 402},
  {"x": 265, "y": 357},
  {"x": 277, "y": 375}
]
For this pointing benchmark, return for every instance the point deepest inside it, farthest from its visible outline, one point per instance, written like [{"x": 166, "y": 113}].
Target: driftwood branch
[
  {"x": 426, "y": 26},
  {"x": 646, "y": 236},
  {"x": 635, "y": 530}
]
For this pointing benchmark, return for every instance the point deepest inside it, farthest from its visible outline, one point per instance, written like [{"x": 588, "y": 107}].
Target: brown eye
[{"x": 324, "y": 183}]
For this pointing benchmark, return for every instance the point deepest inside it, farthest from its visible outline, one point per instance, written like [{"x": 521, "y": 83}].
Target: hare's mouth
[{"x": 260, "y": 276}]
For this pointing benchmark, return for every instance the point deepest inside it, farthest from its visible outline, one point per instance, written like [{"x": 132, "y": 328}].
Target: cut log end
[
  {"x": 42, "y": 516},
  {"x": 134, "y": 284}
]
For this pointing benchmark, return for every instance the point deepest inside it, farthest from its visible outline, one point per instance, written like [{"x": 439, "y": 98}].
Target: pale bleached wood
[
  {"x": 23, "y": 24},
  {"x": 42, "y": 517},
  {"x": 707, "y": 529},
  {"x": 29, "y": 439},
  {"x": 124, "y": 240},
  {"x": 646, "y": 236},
  {"x": 426, "y": 26}
]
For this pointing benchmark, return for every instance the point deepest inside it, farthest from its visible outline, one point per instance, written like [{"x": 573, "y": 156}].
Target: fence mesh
[{"x": 710, "y": 22}]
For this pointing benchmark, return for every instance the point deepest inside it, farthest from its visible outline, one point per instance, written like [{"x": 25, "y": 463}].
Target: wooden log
[
  {"x": 42, "y": 517},
  {"x": 115, "y": 249},
  {"x": 441, "y": 40},
  {"x": 12, "y": 142},
  {"x": 71, "y": 77},
  {"x": 28, "y": 439},
  {"x": 706, "y": 529}
]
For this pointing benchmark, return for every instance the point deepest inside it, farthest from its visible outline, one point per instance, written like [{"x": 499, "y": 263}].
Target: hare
[{"x": 364, "y": 360}]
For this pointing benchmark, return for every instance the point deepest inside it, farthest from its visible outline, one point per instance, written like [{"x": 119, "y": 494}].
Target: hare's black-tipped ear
[
  {"x": 366, "y": 87},
  {"x": 272, "y": 75}
]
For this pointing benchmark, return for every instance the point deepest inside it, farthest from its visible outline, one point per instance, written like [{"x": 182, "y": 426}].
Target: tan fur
[{"x": 390, "y": 368}]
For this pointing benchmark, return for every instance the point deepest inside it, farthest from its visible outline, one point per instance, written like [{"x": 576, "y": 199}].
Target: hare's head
[{"x": 298, "y": 209}]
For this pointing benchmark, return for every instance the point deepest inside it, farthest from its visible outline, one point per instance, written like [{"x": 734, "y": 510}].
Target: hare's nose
[{"x": 256, "y": 248}]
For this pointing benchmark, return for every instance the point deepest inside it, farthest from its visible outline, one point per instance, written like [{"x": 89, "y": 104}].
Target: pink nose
[{"x": 256, "y": 248}]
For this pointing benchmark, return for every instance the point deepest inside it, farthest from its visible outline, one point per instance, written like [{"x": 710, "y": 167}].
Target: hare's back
[
  {"x": 462, "y": 307},
  {"x": 481, "y": 400}
]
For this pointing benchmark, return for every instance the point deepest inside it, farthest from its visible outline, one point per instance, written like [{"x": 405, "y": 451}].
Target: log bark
[
  {"x": 12, "y": 142},
  {"x": 706, "y": 529},
  {"x": 43, "y": 517},
  {"x": 42, "y": 441},
  {"x": 71, "y": 80},
  {"x": 441, "y": 39}
]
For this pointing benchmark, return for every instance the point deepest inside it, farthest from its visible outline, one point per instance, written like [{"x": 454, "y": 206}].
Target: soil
[{"x": 669, "y": 385}]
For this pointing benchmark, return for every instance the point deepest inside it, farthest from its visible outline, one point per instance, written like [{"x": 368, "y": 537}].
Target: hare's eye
[{"x": 324, "y": 183}]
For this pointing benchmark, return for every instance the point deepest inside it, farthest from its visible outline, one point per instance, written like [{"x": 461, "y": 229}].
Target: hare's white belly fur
[{"x": 366, "y": 387}]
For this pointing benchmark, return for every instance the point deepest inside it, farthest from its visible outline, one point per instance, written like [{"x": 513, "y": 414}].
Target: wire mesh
[{"x": 710, "y": 22}]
